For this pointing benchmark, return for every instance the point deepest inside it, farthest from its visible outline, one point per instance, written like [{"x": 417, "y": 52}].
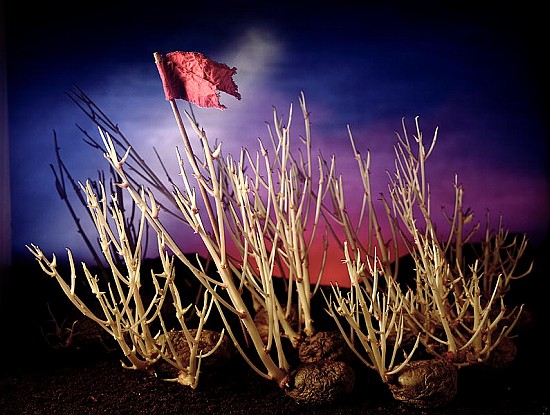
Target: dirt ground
[
  {"x": 80, "y": 383},
  {"x": 36, "y": 379}
]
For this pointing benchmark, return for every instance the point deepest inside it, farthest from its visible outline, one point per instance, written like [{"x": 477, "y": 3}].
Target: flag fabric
[{"x": 195, "y": 78}]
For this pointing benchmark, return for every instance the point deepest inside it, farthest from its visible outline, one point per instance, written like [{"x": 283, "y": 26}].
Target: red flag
[{"x": 195, "y": 78}]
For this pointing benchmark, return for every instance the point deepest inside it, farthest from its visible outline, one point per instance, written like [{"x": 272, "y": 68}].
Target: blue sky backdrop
[{"x": 473, "y": 73}]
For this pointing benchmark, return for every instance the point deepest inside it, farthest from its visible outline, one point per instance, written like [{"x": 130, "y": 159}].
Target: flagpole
[
  {"x": 191, "y": 157},
  {"x": 274, "y": 371}
]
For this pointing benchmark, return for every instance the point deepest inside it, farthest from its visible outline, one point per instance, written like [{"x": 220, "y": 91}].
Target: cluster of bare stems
[
  {"x": 140, "y": 326},
  {"x": 258, "y": 217},
  {"x": 455, "y": 306},
  {"x": 120, "y": 308},
  {"x": 458, "y": 303},
  {"x": 251, "y": 215}
]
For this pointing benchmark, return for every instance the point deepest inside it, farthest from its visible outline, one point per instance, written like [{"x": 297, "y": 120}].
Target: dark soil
[
  {"x": 80, "y": 383},
  {"x": 86, "y": 378}
]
